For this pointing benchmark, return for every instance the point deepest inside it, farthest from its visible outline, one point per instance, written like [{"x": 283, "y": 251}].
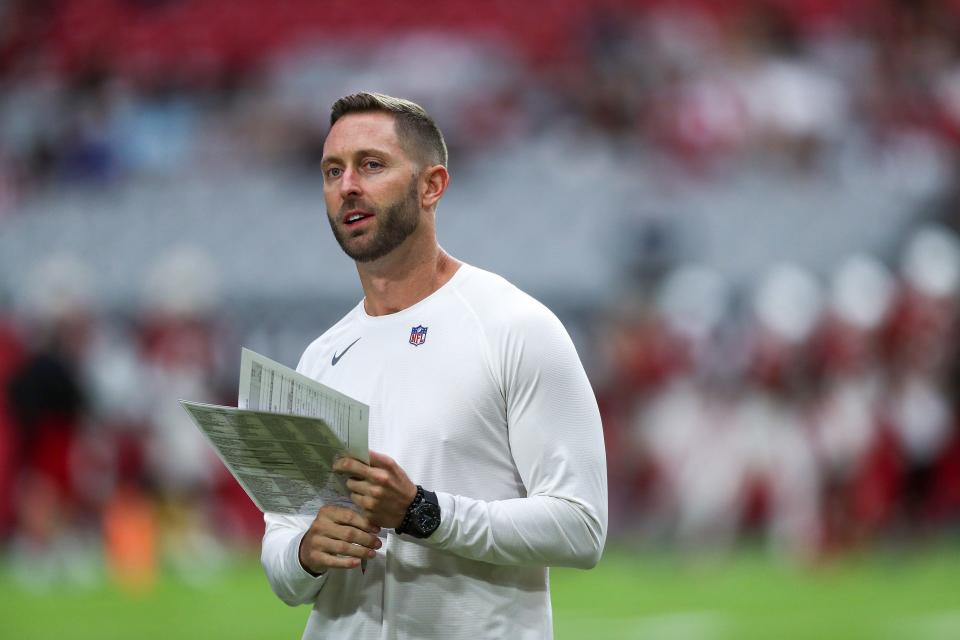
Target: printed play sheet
[
  {"x": 266, "y": 385},
  {"x": 281, "y": 443}
]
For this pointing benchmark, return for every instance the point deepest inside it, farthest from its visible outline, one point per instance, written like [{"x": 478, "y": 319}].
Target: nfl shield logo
[{"x": 418, "y": 335}]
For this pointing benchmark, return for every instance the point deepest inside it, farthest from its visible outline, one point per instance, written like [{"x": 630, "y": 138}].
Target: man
[{"x": 487, "y": 459}]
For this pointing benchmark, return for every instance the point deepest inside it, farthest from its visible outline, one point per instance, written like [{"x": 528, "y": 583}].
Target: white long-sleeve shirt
[{"x": 493, "y": 412}]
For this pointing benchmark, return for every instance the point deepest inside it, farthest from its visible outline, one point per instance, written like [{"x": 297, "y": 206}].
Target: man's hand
[
  {"x": 382, "y": 489},
  {"x": 337, "y": 538}
]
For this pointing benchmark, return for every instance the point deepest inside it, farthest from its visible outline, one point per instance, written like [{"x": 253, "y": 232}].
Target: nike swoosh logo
[{"x": 336, "y": 358}]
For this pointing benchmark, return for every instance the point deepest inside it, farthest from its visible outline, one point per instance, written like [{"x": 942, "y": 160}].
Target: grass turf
[{"x": 915, "y": 596}]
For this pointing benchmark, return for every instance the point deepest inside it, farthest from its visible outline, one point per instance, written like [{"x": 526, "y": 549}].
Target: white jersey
[{"x": 478, "y": 393}]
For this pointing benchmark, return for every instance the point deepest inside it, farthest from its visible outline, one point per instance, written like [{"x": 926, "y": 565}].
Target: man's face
[{"x": 369, "y": 186}]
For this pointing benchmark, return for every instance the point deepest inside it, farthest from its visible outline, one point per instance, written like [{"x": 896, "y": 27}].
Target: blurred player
[{"x": 475, "y": 392}]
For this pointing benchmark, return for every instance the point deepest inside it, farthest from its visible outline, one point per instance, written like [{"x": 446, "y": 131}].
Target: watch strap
[{"x": 408, "y": 516}]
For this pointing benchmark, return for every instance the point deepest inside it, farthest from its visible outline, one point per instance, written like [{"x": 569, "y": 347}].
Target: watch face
[{"x": 427, "y": 518}]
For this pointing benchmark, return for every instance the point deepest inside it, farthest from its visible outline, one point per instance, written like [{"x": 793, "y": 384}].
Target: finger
[
  {"x": 359, "y": 486},
  {"x": 364, "y": 502},
  {"x": 381, "y": 460},
  {"x": 352, "y": 467},
  {"x": 375, "y": 490},
  {"x": 345, "y": 516},
  {"x": 350, "y": 535},
  {"x": 342, "y": 541},
  {"x": 341, "y": 548},
  {"x": 322, "y": 559},
  {"x": 345, "y": 462}
]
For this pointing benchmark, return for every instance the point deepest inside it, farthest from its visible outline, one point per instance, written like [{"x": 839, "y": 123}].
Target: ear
[{"x": 435, "y": 180}]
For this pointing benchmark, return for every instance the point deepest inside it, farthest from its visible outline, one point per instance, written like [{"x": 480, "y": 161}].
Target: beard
[{"x": 395, "y": 223}]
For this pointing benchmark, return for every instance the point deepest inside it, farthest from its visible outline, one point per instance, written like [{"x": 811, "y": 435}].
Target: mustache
[{"x": 357, "y": 203}]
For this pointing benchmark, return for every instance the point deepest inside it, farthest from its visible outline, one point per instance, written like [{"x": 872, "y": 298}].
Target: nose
[{"x": 350, "y": 184}]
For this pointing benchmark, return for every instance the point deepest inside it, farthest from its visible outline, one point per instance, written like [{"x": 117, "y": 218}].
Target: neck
[{"x": 405, "y": 277}]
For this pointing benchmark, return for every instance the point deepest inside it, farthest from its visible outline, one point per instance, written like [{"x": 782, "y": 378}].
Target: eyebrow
[{"x": 358, "y": 153}]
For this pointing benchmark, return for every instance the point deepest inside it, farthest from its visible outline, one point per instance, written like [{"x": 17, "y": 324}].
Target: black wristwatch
[{"x": 423, "y": 515}]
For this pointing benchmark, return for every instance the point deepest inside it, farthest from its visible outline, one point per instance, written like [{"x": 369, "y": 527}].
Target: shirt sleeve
[
  {"x": 556, "y": 441},
  {"x": 280, "y": 556}
]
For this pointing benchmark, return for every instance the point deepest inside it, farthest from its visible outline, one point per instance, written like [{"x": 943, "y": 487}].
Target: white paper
[
  {"x": 266, "y": 385},
  {"x": 282, "y": 441}
]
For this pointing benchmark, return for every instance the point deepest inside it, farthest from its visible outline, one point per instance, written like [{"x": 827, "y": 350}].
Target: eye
[
  {"x": 373, "y": 165},
  {"x": 333, "y": 172}
]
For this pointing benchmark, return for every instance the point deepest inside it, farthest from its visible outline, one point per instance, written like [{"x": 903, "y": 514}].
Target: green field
[{"x": 914, "y": 597}]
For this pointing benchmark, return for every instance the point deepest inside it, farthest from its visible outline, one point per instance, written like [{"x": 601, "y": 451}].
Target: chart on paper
[
  {"x": 283, "y": 462},
  {"x": 280, "y": 443},
  {"x": 266, "y": 385}
]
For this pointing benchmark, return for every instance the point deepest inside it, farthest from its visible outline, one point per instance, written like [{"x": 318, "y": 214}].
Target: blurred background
[{"x": 745, "y": 212}]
